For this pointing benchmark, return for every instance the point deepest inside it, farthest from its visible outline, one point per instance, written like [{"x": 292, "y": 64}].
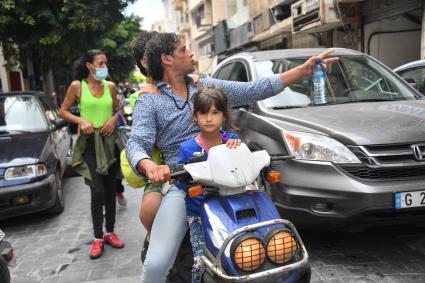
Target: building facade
[
  {"x": 11, "y": 78},
  {"x": 392, "y": 31}
]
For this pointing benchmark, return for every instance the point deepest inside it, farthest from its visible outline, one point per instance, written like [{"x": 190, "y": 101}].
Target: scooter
[
  {"x": 6, "y": 258},
  {"x": 246, "y": 239},
  {"x": 127, "y": 111}
]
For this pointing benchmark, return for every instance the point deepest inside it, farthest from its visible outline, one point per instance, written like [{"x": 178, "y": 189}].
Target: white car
[{"x": 413, "y": 73}]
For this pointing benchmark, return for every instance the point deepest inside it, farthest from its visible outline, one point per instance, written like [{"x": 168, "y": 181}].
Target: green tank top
[{"x": 96, "y": 110}]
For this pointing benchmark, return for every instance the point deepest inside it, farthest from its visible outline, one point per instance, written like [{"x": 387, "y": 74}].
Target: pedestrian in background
[{"x": 96, "y": 147}]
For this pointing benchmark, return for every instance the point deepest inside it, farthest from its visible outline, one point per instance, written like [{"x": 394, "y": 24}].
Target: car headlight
[
  {"x": 248, "y": 252},
  {"x": 281, "y": 246},
  {"x": 26, "y": 171},
  {"x": 316, "y": 147}
]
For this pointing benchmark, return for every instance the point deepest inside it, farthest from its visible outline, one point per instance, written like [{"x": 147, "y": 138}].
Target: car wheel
[
  {"x": 58, "y": 207},
  {"x": 4, "y": 272}
]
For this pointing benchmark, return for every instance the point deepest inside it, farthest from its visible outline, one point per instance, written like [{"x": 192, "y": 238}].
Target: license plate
[{"x": 410, "y": 199}]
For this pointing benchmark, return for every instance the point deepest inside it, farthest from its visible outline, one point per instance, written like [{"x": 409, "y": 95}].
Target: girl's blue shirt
[{"x": 187, "y": 150}]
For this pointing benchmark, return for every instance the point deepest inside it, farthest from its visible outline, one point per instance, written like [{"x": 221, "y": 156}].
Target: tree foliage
[
  {"x": 117, "y": 44},
  {"x": 53, "y": 33}
]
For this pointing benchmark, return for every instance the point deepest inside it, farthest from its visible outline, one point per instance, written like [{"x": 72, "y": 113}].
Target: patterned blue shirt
[{"x": 165, "y": 120}]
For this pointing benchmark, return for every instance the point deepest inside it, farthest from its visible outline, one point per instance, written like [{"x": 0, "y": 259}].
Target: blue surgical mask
[{"x": 101, "y": 74}]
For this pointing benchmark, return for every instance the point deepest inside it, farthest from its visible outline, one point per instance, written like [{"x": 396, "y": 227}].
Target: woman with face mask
[{"x": 95, "y": 151}]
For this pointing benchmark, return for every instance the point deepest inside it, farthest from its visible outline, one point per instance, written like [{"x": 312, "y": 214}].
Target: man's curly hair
[
  {"x": 160, "y": 43},
  {"x": 140, "y": 47}
]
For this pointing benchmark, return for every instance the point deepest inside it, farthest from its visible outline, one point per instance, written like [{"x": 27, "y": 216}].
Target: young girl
[{"x": 210, "y": 111}]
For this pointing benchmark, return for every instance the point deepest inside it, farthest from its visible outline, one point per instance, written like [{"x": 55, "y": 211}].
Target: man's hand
[
  {"x": 148, "y": 88},
  {"x": 307, "y": 67},
  {"x": 293, "y": 75},
  {"x": 157, "y": 174}
]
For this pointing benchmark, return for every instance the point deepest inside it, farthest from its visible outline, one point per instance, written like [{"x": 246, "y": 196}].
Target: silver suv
[{"x": 358, "y": 158}]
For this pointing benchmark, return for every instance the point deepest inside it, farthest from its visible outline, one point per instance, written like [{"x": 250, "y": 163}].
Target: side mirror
[
  {"x": 411, "y": 82},
  {"x": 60, "y": 123}
]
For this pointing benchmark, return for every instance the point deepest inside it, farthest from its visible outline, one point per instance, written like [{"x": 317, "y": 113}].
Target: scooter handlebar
[{"x": 177, "y": 170}]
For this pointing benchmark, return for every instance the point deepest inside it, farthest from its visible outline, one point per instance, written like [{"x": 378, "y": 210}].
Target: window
[
  {"x": 49, "y": 108},
  {"x": 21, "y": 113},
  {"x": 200, "y": 15},
  {"x": 238, "y": 73},
  {"x": 231, "y": 7},
  {"x": 351, "y": 79},
  {"x": 416, "y": 77},
  {"x": 224, "y": 72}
]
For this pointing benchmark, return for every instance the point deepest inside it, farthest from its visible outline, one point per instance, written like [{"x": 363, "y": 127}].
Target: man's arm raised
[{"x": 293, "y": 75}]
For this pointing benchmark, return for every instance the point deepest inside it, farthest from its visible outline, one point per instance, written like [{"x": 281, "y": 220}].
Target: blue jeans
[{"x": 168, "y": 230}]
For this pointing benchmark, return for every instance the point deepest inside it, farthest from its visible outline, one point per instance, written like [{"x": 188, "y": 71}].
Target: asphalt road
[{"x": 55, "y": 248}]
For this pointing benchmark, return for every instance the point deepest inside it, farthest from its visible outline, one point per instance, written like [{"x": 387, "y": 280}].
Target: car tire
[
  {"x": 59, "y": 205},
  {"x": 4, "y": 272}
]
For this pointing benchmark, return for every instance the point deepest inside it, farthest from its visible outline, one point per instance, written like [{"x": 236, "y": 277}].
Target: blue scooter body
[{"x": 222, "y": 215}]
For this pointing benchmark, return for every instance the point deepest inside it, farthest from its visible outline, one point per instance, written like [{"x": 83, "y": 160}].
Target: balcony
[
  {"x": 193, "y": 4},
  {"x": 184, "y": 27},
  {"x": 179, "y": 5},
  {"x": 281, "y": 27}
]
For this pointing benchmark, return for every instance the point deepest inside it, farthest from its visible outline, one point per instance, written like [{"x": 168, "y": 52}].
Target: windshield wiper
[
  {"x": 287, "y": 107},
  {"x": 22, "y": 131},
  {"x": 367, "y": 100}
]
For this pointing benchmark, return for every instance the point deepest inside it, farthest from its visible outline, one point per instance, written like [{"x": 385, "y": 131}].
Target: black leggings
[{"x": 102, "y": 193}]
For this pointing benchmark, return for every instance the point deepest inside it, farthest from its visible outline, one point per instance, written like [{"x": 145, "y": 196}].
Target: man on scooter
[{"x": 165, "y": 120}]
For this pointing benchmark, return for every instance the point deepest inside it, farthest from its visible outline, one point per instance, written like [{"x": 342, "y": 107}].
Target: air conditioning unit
[{"x": 311, "y": 16}]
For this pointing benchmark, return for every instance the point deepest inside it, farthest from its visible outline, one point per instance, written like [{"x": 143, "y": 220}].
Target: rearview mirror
[
  {"x": 60, "y": 123},
  {"x": 411, "y": 82}
]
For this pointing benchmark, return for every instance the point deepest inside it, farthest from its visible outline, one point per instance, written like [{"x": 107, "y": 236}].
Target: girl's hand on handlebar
[{"x": 233, "y": 143}]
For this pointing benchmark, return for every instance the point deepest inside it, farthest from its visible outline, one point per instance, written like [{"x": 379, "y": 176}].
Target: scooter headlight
[
  {"x": 281, "y": 246},
  {"x": 248, "y": 252}
]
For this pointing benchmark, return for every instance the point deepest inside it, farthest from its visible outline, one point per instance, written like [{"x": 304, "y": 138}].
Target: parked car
[
  {"x": 413, "y": 73},
  {"x": 34, "y": 144},
  {"x": 360, "y": 158}
]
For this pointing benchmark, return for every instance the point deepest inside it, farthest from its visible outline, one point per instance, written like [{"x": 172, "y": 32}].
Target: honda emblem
[{"x": 418, "y": 151}]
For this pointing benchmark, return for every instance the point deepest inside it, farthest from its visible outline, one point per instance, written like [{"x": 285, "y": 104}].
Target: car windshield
[
  {"x": 20, "y": 113},
  {"x": 351, "y": 79}
]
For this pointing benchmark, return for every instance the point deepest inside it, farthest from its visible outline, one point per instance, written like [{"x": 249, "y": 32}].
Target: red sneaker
[
  {"x": 96, "y": 249},
  {"x": 113, "y": 240}
]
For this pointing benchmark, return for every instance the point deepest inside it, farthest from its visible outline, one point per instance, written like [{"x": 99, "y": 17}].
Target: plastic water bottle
[{"x": 319, "y": 87}]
